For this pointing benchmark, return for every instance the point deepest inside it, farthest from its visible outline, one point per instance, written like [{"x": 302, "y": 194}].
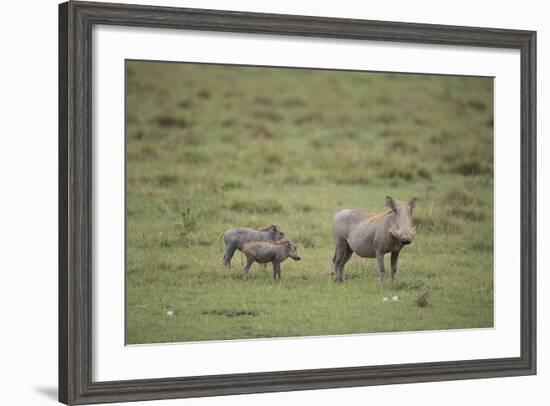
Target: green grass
[{"x": 214, "y": 147}]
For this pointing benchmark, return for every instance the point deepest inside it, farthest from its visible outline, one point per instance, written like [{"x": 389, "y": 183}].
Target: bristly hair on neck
[{"x": 374, "y": 217}]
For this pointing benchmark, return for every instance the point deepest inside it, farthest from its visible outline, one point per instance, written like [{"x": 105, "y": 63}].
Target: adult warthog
[
  {"x": 236, "y": 238},
  {"x": 372, "y": 235}
]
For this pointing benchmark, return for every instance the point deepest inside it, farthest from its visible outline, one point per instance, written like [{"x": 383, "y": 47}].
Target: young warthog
[
  {"x": 264, "y": 252},
  {"x": 372, "y": 235},
  {"x": 236, "y": 238}
]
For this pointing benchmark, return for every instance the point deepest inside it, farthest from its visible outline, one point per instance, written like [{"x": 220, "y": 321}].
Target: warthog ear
[
  {"x": 390, "y": 202},
  {"x": 412, "y": 203}
]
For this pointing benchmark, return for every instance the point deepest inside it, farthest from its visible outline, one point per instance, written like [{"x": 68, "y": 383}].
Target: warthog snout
[
  {"x": 293, "y": 251},
  {"x": 403, "y": 236},
  {"x": 406, "y": 241}
]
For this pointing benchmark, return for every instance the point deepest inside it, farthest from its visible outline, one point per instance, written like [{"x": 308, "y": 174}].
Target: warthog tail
[{"x": 220, "y": 240}]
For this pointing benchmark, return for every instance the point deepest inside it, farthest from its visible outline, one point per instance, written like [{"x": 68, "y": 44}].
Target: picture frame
[{"x": 76, "y": 352}]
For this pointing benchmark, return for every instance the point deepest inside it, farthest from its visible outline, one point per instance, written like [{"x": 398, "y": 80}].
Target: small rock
[
  {"x": 385, "y": 299},
  {"x": 170, "y": 313},
  {"x": 394, "y": 298}
]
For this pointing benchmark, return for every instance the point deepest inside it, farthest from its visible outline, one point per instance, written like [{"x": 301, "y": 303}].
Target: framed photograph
[{"x": 256, "y": 202}]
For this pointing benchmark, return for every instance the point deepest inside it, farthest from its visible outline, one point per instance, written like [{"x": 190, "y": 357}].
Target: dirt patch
[
  {"x": 230, "y": 313},
  {"x": 171, "y": 122},
  {"x": 260, "y": 206}
]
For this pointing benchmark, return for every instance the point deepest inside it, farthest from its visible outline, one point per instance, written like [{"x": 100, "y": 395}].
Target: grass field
[{"x": 214, "y": 147}]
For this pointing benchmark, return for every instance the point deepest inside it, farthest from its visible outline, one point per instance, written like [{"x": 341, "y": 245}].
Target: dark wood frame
[{"x": 76, "y": 20}]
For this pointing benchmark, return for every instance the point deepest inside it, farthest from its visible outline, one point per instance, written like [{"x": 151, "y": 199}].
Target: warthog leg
[
  {"x": 228, "y": 255},
  {"x": 381, "y": 270},
  {"x": 249, "y": 262},
  {"x": 276, "y": 270},
  {"x": 341, "y": 256},
  {"x": 394, "y": 257}
]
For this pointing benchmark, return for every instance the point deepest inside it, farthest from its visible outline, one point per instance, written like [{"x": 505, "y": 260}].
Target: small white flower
[
  {"x": 394, "y": 298},
  {"x": 385, "y": 299},
  {"x": 170, "y": 313}
]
